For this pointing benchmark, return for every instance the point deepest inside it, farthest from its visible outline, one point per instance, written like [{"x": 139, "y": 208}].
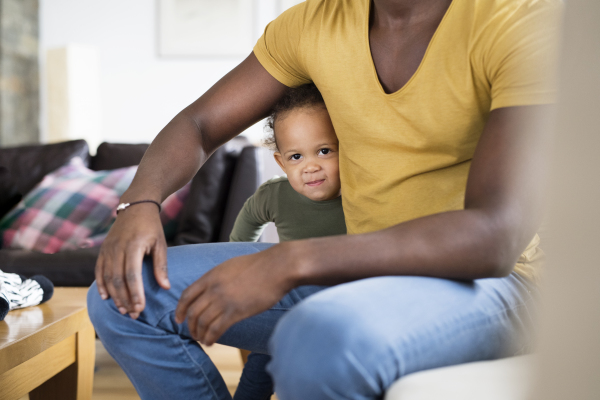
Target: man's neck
[{"x": 402, "y": 13}]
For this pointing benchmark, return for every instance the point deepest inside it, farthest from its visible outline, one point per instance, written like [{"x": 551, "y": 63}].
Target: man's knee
[{"x": 321, "y": 350}]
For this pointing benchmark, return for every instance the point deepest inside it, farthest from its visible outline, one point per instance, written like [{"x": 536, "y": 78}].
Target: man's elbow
[
  {"x": 501, "y": 263},
  {"x": 500, "y": 247},
  {"x": 501, "y": 270}
]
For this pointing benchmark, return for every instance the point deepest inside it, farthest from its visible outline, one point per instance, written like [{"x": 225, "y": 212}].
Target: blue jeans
[{"x": 349, "y": 341}]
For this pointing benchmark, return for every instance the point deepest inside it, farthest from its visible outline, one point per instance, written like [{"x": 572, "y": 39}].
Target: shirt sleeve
[
  {"x": 278, "y": 49},
  {"x": 253, "y": 218},
  {"x": 521, "y": 61}
]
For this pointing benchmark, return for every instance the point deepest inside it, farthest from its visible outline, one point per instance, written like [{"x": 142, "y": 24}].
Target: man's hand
[
  {"x": 237, "y": 289},
  {"x": 137, "y": 232}
]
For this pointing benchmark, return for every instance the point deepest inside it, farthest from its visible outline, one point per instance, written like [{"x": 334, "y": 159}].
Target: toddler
[{"x": 303, "y": 204}]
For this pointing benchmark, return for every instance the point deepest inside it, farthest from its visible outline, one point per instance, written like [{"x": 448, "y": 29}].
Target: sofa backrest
[
  {"x": 117, "y": 155},
  {"x": 247, "y": 177},
  {"x": 25, "y": 166},
  {"x": 217, "y": 193},
  {"x": 230, "y": 173}
]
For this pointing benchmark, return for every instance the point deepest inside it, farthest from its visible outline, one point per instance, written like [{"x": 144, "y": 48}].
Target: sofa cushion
[
  {"x": 245, "y": 181},
  {"x": 508, "y": 378},
  {"x": 202, "y": 215},
  {"x": 170, "y": 216},
  {"x": 117, "y": 155},
  {"x": 26, "y": 166},
  {"x": 73, "y": 207},
  {"x": 66, "y": 208}
]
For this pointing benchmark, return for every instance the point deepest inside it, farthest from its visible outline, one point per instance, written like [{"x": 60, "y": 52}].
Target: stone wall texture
[{"x": 19, "y": 72}]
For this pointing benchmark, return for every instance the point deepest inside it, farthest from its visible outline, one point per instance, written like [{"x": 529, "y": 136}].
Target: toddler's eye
[
  {"x": 324, "y": 151},
  {"x": 296, "y": 157}
]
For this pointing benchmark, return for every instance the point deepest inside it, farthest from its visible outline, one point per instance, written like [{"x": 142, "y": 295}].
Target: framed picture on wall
[{"x": 205, "y": 28}]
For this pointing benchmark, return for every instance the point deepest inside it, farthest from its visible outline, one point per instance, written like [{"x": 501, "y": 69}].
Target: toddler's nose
[{"x": 312, "y": 167}]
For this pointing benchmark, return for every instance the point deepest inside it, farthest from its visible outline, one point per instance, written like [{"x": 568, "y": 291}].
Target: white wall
[{"x": 140, "y": 91}]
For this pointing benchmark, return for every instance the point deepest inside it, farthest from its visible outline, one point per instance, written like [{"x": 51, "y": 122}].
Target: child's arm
[{"x": 254, "y": 216}]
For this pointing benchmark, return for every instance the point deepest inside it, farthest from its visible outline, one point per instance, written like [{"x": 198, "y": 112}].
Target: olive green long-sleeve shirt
[{"x": 295, "y": 216}]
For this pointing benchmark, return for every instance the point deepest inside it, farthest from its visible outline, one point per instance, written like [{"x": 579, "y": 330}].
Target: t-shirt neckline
[{"x": 370, "y": 56}]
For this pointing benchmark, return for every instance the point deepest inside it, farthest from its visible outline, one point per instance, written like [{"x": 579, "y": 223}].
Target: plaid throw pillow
[
  {"x": 73, "y": 207},
  {"x": 169, "y": 217}
]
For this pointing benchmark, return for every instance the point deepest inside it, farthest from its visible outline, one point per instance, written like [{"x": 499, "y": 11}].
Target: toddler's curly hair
[{"x": 305, "y": 96}]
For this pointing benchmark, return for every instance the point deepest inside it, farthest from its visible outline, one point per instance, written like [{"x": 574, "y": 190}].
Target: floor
[{"x": 110, "y": 382}]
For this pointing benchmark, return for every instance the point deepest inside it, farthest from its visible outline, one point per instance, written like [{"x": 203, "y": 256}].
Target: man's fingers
[
  {"x": 203, "y": 324},
  {"x": 216, "y": 329},
  {"x": 133, "y": 279},
  {"x": 187, "y": 297},
  {"x": 195, "y": 313},
  {"x": 113, "y": 280},
  {"x": 99, "y": 279},
  {"x": 159, "y": 259}
]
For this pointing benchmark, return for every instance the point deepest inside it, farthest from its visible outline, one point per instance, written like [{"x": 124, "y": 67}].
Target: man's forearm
[{"x": 455, "y": 245}]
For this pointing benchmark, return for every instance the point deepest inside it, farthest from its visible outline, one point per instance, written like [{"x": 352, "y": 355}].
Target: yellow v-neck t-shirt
[{"x": 407, "y": 154}]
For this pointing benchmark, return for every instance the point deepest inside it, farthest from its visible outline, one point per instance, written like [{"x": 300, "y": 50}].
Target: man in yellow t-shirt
[
  {"x": 439, "y": 109},
  {"x": 407, "y": 154}
]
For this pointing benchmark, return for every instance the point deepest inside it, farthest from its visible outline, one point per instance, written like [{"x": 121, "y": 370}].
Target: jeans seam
[
  {"x": 198, "y": 366},
  {"x": 364, "y": 372}
]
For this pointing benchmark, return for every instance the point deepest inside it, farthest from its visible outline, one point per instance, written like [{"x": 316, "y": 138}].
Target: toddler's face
[{"x": 308, "y": 153}]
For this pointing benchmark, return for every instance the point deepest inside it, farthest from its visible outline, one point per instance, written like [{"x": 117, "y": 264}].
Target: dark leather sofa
[{"x": 217, "y": 193}]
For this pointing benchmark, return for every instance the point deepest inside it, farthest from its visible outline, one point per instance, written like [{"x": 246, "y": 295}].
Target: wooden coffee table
[{"x": 48, "y": 350}]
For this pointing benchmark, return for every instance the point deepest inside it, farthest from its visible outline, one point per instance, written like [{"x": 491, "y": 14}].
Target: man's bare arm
[
  {"x": 238, "y": 100},
  {"x": 501, "y": 215}
]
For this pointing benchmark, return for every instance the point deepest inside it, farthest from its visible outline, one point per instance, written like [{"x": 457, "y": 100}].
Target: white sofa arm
[{"x": 505, "y": 379}]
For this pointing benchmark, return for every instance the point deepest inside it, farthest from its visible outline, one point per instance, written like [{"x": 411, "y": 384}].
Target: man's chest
[{"x": 441, "y": 101}]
